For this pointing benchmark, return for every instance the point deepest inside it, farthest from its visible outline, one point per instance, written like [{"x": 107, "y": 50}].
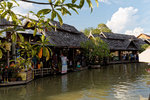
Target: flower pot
[{"x": 13, "y": 79}]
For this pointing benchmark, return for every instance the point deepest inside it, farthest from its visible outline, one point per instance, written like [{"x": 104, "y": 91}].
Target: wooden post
[
  {"x": 119, "y": 55},
  {"x": 14, "y": 51},
  {"x": 8, "y": 48},
  {"x": 74, "y": 60},
  {"x": 8, "y": 58}
]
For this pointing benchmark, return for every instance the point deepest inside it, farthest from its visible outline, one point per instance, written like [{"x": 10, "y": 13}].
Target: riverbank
[
  {"x": 40, "y": 73},
  {"x": 26, "y": 77}
]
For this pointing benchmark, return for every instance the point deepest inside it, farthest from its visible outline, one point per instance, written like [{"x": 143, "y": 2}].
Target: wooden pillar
[
  {"x": 74, "y": 63},
  {"x": 8, "y": 48},
  {"x": 8, "y": 58},
  {"x": 14, "y": 51},
  {"x": 14, "y": 47},
  {"x": 119, "y": 55}
]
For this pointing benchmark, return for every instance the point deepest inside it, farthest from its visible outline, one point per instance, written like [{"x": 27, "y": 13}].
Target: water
[{"x": 116, "y": 82}]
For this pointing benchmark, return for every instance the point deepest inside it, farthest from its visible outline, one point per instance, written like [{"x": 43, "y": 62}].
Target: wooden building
[
  {"x": 122, "y": 47},
  {"x": 65, "y": 39},
  {"x": 65, "y": 36},
  {"x": 144, "y": 37}
]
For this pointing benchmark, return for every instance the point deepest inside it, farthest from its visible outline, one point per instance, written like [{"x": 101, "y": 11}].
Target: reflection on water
[{"x": 116, "y": 82}]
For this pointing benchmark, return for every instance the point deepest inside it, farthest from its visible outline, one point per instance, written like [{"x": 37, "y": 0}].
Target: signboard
[{"x": 64, "y": 65}]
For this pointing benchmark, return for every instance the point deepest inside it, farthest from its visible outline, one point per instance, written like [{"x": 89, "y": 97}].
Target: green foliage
[
  {"x": 6, "y": 11},
  {"x": 1, "y": 54},
  {"x": 26, "y": 49},
  {"x": 103, "y": 28},
  {"x": 95, "y": 48},
  {"x": 22, "y": 62},
  {"x": 46, "y": 51},
  {"x": 86, "y": 31},
  {"x": 100, "y": 28},
  {"x": 2, "y": 45},
  {"x": 57, "y": 9},
  {"x": 144, "y": 47}
]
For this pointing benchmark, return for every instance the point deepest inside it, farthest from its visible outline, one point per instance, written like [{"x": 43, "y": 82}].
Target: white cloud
[
  {"x": 137, "y": 31},
  {"x": 23, "y": 8},
  {"x": 123, "y": 19},
  {"x": 25, "y": 5},
  {"x": 105, "y": 1}
]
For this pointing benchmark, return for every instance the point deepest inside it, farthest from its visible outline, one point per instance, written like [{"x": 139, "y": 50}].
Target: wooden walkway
[
  {"x": 29, "y": 77},
  {"x": 122, "y": 62}
]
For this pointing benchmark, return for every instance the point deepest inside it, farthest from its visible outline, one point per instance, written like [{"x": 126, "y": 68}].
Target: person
[
  {"x": 131, "y": 57},
  {"x": 137, "y": 57},
  {"x": 78, "y": 65},
  {"x": 70, "y": 64},
  {"x": 38, "y": 63},
  {"x": 12, "y": 64},
  {"x": 5, "y": 74},
  {"x": 34, "y": 60},
  {"x": 124, "y": 57},
  {"x": 64, "y": 64},
  {"x": 127, "y": 56},
  {"x": 41, "y": 64},
  {"x": 54, "y": 62},
  {"x": 147, "y": 70}
]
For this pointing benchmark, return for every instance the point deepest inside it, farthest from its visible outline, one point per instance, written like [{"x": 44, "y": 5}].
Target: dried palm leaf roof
[
  {"x": 121, "y": 41},
  {"x": 3, "y": 22},
  {"x": 65, "y": 35}
]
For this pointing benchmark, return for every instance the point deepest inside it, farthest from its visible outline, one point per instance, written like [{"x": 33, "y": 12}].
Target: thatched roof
[
  {"x": 65, "y": 35},
  {"x": 121, "y": 41},
  {"x": 3, "y": 22}
]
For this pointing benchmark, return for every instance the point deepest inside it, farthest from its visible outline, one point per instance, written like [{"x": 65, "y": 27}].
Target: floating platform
[
  {"x": 14, "y": 83},
  {"x": 29, "y": 78}
]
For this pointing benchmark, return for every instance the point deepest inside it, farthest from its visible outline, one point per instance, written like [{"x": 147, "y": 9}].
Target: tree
[
  {"x": 95, "y": 49},
  {"x": 144, "y": 47},
  {"x": 28, "y": 51},
  {"x": 103, "y": 28},
  {"x": 100, "y": 28},
  {"x": 1, "y": 49},
  {"x": 57, "y": 8},
  {"x": 87, "y": 31}
]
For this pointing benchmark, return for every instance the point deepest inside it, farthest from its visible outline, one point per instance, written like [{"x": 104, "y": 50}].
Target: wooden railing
[
  {"x": 42, "y": 71},
  {"x": 29, "y": 76}
]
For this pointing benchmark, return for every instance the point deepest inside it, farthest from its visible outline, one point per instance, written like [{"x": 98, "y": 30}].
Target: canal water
[{"x": 114, "y": 82}]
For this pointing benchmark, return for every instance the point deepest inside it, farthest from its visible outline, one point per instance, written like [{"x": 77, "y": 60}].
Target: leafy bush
[
  {"x": 95, "y": 49},
  {"x": 144, "y": 47}
]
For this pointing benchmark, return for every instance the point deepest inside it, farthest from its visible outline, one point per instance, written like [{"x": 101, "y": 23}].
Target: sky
[{"x": 121, "y": 16}]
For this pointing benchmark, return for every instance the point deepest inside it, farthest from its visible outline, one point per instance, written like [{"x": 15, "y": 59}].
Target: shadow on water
[{"x": 114, "y": 82}]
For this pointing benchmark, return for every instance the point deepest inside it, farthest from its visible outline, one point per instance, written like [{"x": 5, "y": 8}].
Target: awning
[{"x": 145, "y": 56}]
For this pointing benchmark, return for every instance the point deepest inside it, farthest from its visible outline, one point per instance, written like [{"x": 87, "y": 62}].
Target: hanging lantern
[{"x": 8, "y": 46}]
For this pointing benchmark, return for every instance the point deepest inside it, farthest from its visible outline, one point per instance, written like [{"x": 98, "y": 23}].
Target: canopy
[{"x": 145, "y": 56}]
